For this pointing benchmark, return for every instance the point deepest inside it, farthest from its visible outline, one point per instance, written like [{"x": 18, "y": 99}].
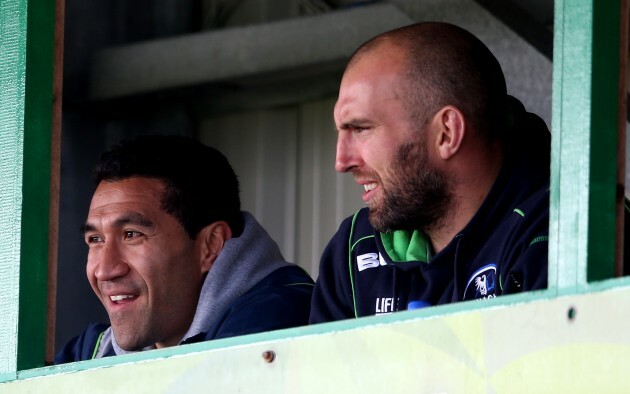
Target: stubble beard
[
  {"x": 418, "y": 195},
  {"x": 135, "y": 333}
]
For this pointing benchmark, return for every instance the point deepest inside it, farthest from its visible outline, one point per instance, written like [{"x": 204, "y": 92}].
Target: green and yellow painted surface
[{"x": 577, "y": 343}]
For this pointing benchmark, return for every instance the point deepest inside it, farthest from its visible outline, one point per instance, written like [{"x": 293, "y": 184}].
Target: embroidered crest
[{"x": 482, "y": 284}]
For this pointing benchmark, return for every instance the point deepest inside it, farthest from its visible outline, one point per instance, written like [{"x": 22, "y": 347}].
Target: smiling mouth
[
  {"x": 118, "y": 298},
  {"x": 369, "y": 186}
]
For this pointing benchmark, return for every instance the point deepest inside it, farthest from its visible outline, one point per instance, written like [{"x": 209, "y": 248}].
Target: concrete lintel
[{"x": 233, "y": 53}]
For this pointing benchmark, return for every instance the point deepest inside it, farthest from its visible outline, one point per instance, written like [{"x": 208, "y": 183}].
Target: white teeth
[
  {"x": 369, "y": 186},
  {"x": 117, "y": 298}
]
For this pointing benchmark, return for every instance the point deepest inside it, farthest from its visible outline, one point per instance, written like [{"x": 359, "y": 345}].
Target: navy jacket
[
  {"x": 280, "y": 300},
  {"x": 503, "y": 249}
]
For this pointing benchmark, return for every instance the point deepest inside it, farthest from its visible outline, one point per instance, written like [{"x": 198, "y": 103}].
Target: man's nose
[
  {"x": 110, "y": 263},
  {"x": 347, "y": 157}
]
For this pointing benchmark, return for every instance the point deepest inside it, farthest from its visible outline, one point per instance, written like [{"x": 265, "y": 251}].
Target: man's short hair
[
  {"x": 447, "y": 65},
  {"x": 201, "y": 186}
]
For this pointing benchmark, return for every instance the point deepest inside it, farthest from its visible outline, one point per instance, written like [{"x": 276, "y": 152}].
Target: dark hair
[
  {"x": 201, "y": 186},
  {"x": 447, "y": 65}
]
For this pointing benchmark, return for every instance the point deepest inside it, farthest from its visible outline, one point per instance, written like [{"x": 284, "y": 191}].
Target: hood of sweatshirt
[{"x": 243, "y": 262}]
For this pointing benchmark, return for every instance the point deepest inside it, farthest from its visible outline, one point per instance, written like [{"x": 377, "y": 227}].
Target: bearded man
[{"x": 455, "y": 175}]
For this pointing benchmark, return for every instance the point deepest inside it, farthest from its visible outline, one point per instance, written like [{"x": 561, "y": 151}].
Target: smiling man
[
  {"x": 455, "y": 176},
  {"x": 173, "y": 258}
]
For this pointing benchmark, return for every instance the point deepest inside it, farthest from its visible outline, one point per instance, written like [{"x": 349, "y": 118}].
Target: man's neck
[
  {"x": 468, "y": 197},
  {"x": 449, "y": 226}
]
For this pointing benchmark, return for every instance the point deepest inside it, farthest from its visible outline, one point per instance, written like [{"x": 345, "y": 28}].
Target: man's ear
[
  {"x": 211, "y": 240},
  {"x": 451, "y": 128}
]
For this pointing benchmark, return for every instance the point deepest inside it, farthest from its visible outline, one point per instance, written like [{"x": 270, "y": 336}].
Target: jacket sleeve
[{"x": 333, "y": 293}]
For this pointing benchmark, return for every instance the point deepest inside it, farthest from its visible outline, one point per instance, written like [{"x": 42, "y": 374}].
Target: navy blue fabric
[
  {"x": 502, "y": 250},
  {"x": 280, "y": 300},
  {"x": 82, "y": 346}
]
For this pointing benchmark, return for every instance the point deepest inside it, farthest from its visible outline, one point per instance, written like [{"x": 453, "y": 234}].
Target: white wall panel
[
  {"x": 285, "y": 162},
  {"x": 262, "y": 149}
]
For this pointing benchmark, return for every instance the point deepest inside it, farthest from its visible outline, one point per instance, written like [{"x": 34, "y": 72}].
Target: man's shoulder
[
  {"x": 289, "y": 275},
  {"x": 291, "y": 285},
  {"x": 83, "y": 346},
  {"x": 280, "y": 300}
]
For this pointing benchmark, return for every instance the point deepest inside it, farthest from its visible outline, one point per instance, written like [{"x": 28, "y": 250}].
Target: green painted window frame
[
  {"x": 583, "y": 179},
  {"x": 26, "y": 78}
]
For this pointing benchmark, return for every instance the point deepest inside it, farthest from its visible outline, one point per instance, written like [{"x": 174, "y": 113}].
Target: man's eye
[
  {"x": 353, "y": 128},
  {"x": 93, "y": 239},
  {"x": 129, "y": 234}
]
